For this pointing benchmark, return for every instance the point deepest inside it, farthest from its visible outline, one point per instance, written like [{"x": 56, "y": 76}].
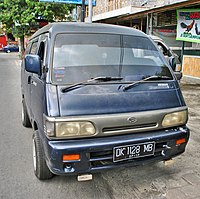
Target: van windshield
[{"x": 79, "y": 57}]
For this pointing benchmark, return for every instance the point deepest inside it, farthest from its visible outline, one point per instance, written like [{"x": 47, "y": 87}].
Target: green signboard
[{"x": 188, "y": 25}]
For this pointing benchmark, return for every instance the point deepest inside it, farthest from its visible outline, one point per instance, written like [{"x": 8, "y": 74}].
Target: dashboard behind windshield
[{"x": 79, "y": 57}]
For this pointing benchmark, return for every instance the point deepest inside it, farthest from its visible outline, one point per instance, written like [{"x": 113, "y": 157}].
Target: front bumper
[{"x": 96, "y": 154}]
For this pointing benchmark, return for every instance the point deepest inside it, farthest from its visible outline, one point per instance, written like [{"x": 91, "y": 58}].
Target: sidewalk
[
  {"x": 190, "y": 164},
  {"x": 190, "y": 80}
]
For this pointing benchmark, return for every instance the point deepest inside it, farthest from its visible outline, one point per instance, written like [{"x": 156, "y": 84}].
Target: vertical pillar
[
  {"x": 131, "y": 23},
  {"x": 83, "y": 11},
  {"x": 90, "y": 11},
  {"x": 151, "y": 24},
  {"x": 182, "y": 53},
  {"x": 147, "y": 28}
]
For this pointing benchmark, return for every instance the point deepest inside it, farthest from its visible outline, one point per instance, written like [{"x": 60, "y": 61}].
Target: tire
[
  {"x": 41, "y": 170},
  {"x": 25, "y": 118}
]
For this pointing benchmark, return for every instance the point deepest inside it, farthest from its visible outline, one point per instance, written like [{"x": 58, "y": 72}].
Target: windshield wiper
[
  {"x": 154, "y": 77},
  {"x": 96, "y": 79}
]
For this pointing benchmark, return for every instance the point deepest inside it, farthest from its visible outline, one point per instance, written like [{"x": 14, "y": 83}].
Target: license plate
[{"x": 121, "y": 153}]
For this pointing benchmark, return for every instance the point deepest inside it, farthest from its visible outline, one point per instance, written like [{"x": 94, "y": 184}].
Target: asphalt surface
[{"x": 176, "y": 179}]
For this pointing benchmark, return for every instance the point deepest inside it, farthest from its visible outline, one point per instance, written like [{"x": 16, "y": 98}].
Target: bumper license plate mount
[{"x": 126, "y": 152}]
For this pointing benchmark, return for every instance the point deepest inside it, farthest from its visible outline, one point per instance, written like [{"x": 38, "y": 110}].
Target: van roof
[{"x": 82, "y": 27}]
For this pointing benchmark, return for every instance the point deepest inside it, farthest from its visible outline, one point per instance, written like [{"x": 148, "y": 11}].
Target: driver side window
[
  {"x": 33, "y": 48},
  {"x": 41, "y": 54}
]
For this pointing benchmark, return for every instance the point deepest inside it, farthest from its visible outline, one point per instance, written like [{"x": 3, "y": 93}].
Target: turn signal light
[
  {"x": 71, "y": 157},
  {"x": 180, "y": 141}
]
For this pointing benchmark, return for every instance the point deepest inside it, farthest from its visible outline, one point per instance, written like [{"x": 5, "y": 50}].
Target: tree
[{"x": 19, "y": 16}]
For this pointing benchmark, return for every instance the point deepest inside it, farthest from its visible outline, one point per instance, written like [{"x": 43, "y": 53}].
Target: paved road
[{"x": 179, "y": 180}]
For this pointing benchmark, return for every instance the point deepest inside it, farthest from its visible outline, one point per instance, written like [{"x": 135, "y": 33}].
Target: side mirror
[
  {"x": 172, "y": 63},
  {"x": 33, "y": 64},
  {"x": 178, "y": 75}
]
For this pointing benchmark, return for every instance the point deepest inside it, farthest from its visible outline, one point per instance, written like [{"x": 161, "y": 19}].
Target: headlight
[
  {"x": 175, "y": 119},
  {"x": 68, "y": 129}
]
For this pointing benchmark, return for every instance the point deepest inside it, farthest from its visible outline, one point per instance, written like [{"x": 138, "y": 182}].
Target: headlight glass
[
  {"x": 68, "y": 129},
  {"x": 174, "y": 119}
]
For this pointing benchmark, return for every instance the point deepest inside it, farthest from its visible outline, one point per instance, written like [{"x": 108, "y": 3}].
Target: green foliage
[{"x": 19, "y": 16}]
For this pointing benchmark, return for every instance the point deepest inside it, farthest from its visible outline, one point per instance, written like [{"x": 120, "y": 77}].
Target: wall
[
  {"x": 191, "y": 67},
  {"x": 103, "y": 6}
]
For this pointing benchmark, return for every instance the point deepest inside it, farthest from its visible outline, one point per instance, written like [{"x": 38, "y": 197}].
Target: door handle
[
  {"x": 29, "y": 79},
  {"x": 33, "y": 83}
]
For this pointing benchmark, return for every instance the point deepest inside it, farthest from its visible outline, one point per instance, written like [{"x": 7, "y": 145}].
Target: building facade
[{"x": 154, "y": 17}]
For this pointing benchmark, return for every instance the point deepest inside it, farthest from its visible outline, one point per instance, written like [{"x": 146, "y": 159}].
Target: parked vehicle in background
[
  {"x": 3, "y": 41},
  {"x": 11, "y": 48},
  {"x": 171, "y": 57},
  {"x": 99, "y": 96}
]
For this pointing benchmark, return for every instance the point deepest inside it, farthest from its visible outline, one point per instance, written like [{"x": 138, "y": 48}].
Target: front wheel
[{"x": 41, "y": 169}]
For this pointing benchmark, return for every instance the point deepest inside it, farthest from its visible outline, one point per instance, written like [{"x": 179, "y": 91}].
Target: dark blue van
[{"x": 98, "y": 97}]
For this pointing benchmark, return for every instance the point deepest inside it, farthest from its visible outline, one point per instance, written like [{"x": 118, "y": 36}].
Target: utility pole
[
  {"x": 90, "y": 11},
  {"x": 83, "y": 11}
]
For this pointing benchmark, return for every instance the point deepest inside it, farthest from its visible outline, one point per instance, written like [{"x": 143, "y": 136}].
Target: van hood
[{"x": 111, "y": 98}]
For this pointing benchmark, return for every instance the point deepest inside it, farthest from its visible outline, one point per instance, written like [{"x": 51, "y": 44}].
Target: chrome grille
[{"x": 129, "y": 128}]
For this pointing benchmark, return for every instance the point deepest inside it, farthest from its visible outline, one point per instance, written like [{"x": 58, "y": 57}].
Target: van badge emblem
[{"x": 132, "y": 120}]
